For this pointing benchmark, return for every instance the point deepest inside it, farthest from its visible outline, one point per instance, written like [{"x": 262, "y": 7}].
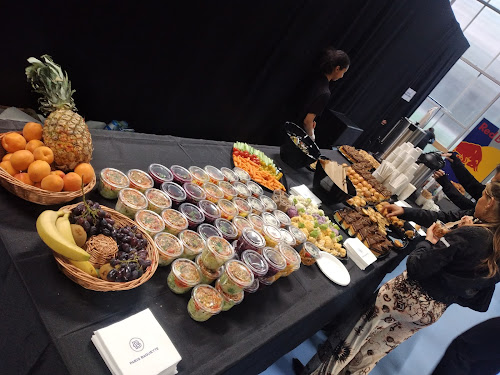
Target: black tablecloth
[{"x": 46, "y": 320}]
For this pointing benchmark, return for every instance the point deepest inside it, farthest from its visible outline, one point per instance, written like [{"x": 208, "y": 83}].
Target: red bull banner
[{"x": 480, "y": 150}]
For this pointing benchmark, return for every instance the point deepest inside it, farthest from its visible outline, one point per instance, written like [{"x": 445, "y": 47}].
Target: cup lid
[
  {"x": 242, "y": 175},
  {"x": 300, "y": 236},
  {"x": 274, "y": 257},
  {"x": 115, "y": 178},
  {"x": 160, "y": 172},
  {"x": 233, "y": 298},
  {"x": 220, "y": 246},
  {"x": 214, "y": 173},
  {"x": 227, "y": 188},
  {"x": 253, "y": 237},
  {"x": 229, "y": 174},
  {"x": 287, "y": 237},
  {"x": 207, "y": 298},
  {"x": 282, "y": 217},
  {"x": 272, "y": 232},
  {"x": 228, "y": 207},
  {"x": 242, "y": 204},
  {"x": 256, "y": 221},
  {"x": 140, "y": 178},
  {"x": 255, "y": 188},
  {"x": 268, "y": 203},
  {"x": 192, "y": 212},
  {"x": 239, "y": 272},
  {"x": 255, "y": 203},
  {"x": 174, "y": 191},
  {"x": 194, "y": 190},
  {"x": 242, "y": 189},
  {"x": 270, "y": 219},
  {"x": 199, "y": 173},
  {"x": 187, "y": 271},
  {"x": 255, "y": 262},
  {"x": 209, "y": 208},
  {"x": 174, "y": 218},
  {"x": 149, "y": 221},
  {"x": 241, "y": 223},
  {"x": 134, "y": 198},
  {"x": 311, "y": 249},
  {"x": 207, "y": 230},
  {"x": 226, "y": 227},
  {"x": 290, "y": 254},
  {"x": 207, "y": 271},
  {"x": 192, "y": 240},
  {"x": 158, "y": 198},
  {"x": 181, "y": 172},
  {"x": 213, "y": 190},
  {"x": 168, "y": 244}
]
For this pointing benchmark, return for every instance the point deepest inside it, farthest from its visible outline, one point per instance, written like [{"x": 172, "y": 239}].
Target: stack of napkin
[
  {"x": 137, "y": 345},
  {"x": 359, "y": 253}
]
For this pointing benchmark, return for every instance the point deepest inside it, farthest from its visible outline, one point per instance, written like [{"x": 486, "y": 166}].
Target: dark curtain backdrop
[{"x": 228, "y": 70}]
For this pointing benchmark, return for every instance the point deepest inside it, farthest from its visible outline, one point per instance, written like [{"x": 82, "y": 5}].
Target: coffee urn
[
  {"x": 404, "y": 131},
  {"x": 428, "y": 163}
]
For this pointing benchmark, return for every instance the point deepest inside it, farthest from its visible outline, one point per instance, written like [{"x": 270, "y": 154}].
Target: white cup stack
[{"x": 406, "y": 192}]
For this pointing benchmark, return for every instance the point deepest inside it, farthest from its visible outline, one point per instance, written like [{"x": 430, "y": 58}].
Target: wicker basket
[
  {"x": 94, "y": 283},
  {"x": 37, "y": 195}
]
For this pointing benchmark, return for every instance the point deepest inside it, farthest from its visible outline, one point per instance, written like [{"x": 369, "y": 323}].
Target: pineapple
[{"x": 64, "y": 131}]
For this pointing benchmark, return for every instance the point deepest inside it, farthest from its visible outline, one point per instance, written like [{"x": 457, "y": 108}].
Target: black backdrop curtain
[{"x": 227, "y": 70}]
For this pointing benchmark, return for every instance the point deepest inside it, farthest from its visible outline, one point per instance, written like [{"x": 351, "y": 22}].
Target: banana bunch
[{"x": 54, "y": 229}]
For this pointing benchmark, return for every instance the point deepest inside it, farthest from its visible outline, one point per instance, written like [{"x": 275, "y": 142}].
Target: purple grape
[
  {"x": 93, "y": 231},
  {"x": 112, "y": 275},
  {"x": 114, "y": 262},
  {"x": 110, "y": 221},
  {"x": 134, "y": 275},
  {"x": 133, "y": 241},
  {"x": 145, "y": 263},
  {"x": 125, "y": 247},
  {"x": 138, "y": 236}
]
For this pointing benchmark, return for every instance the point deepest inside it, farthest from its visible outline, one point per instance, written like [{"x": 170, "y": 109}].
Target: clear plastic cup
[
  {"x": 300, "y": 237},
  {"x": 228, "y": 190},
  {"x": 176, "y": 193},
  {"x": 270, "y": 219},
  {"x": 213, "y": 192},
  {"x": 207, "y": 275},
  {"x": 250, "y": 240},
  {"x": 210, "y": 210},
  {"x": 242, "y": 175},
  {"x": 230, "y": 300},
  {"x": 204, "y": 303},
  {"x": 214, "y": 173},
  {"x": 229, "y": 175},
  {"x": 199, "y": 175},
  {"x": 236, "y": 277},
  {"x": 228, "y": 230},
  {"x": 130, "y": 201},
  {"x": 175, "y": 222},
  {"x": 275, "y": 261},
  {"x": 208, "y": 230},
  {"x": 272, "y": 235},
  {"x": 241, "y": 223},
  {"x": 181, "y": 175},
  {"x": 308, "y": 254},
  {"x": 243, "y": 206},
  {"x": 254, "y": 287},
  {"x": 150, "y": 222},
  {"x": 192, "y": 243},
  {"x": 264, "y": 282},
  {"x": 256, "y": 204},
  {"x": 292, "y": 259},
  {"x": 216, "y": 252},
  {"x": 160, "y": 174},
  {"x": 287, "y": 238},
  {"x": 268, "y": 203},
  {"x": 255, "y": 189},
  {"x": 255, "y": 262},
  {"x": 194, "y": 192},
  {"x": 193, "y": 214},
  {"x": 283, "y": 218},
  {"x": 228, "y": 209},
  {"x": 157, "y": 200},
  {"x": 169, "y": 248},
  {"x": 243, "y": 191},
  {"x": 256, "y": 221},
  {"x": 140, "y": 180},
  {"x": 183, "y": 276},
  {"x": 111, "y": 182}
]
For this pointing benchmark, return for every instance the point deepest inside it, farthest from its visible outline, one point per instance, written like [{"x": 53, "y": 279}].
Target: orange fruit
[
  {"x": 58, "y": 173},
  {"x": 34, "y": 143},
  {"x": 8, "y": 167},
  {"x": 12, "y": 142},
  {"x": 24, "y": 178},
  {"x": 37, "y": 184},
  {"x": 86, "y": 172},
  {"x": 6, "y": 157},
  {"x": 32, "y": 130},
  {"x": 72, "y": 182},
  {"x": 21, "y": 159},
  {"x": 38, "y": 170},
  {"x": 52, "y": 182},
  {"x": 44, "y": 153}
]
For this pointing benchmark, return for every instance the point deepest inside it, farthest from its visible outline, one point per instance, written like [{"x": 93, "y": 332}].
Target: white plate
[{"x": 333, "y": 268}]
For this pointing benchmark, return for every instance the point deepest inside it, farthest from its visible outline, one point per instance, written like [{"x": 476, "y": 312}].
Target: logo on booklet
[{"x": 136, "y": 344}]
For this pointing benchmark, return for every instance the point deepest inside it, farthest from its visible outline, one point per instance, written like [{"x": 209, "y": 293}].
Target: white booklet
[{"x": 137, "y": 345}]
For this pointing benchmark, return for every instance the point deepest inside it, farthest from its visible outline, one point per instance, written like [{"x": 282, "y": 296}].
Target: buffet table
[{"x": 46, "y": 320}]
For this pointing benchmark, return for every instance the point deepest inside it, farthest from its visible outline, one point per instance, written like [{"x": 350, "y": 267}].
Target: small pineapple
[{"x": 64, "y": 131}]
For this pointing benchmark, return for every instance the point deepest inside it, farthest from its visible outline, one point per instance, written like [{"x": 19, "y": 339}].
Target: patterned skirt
[{"x": 401, "y": 309}]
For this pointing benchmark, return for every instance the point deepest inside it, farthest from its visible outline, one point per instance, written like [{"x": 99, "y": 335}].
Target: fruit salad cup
[
  {"x": 268, "y": 203},
  {"x": 256, "y": 221},
  {"x": 230, "y": 300},
  {"x": 181, "y": 175},
  {"x": 160, "y": 174},
  {"x": 206, "y": 230},
  {"x": 157, "y": 200},
  {"x": 250, "y": 240},
  {"x": 308, "y": 254},
  {"x": 140, "y": 180},
  {"x": 236, "y": 277},
  {"x": 300, "y": 237},
  {"x": 292, "y": 259},
  {"x": 176, "y": 194},
  {"x": 207, "y": 275},
  {"x": 243, "y": 206},
  {"x": 272, "y": 235},
  {"x": 228, "y": 209},
  {"x": 243, "y": 176},
  {"x": 241, "y": 223},
  {"x": 255, "y": 262},
  {"x": 216, "y": 252},
  {"x": 192, "y": 243},
  {"x": 169, "y": 248},
  {"x": 213, "y": 192},
  {"x": 256, "y": 204},
  {"x": 283, "y": 218},
  {"x": 287, "y": 237},
  {"x": 130, "y": 201},
  {"x": 228, "y": 230},
  {"x": 229, "y": 175},
  {"x": 243, "y": 191},
  {"x": 254, "y": 287},
  {"x": 275, "y": 261},
  {"x": 183, "y": 276},
  {"x": 199, "y": 175},
  {"x": 204, "y": 303},
  {"x": 111, "y": 182},
  {"x": 194, "y": 192},
  {"x": 270, "y": 219},
  {"x": 175, "y": 222},
  {"x": 150, "y": 222},
  {"x": 214, "y": 174},
  {"x": 210, "y": 210},
  {"x": 255, "y": 189},
  {"x": 193, "y": 214},
  {"x": 228, "y": 190}
]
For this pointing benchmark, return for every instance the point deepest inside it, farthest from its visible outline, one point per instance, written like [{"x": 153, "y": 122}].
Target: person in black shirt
[{"x": 429, "y": 138}]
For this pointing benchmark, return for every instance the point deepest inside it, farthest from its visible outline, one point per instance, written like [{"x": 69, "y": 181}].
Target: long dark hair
[{"x": 492, "y": 190}]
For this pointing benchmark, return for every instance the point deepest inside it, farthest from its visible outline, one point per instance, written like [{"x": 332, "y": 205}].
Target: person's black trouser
[{"x": 476, "y": 351}]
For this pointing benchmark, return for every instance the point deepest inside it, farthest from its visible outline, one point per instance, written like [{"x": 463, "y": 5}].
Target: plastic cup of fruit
[
  {"x": 213, "y": 192},
  {"x": 175, "y": 222},
  {"x": 214, "y": 174},
  {"x": 216, "y": 252},
  {"x": 255, "y": 262},
  {"x": 111, "y": 182},
  {"x": 242, "y": 190},
  {"x": 150, "y": 222},
  {"x": 206, "y": 230},
  {"x": 194, "y": 192},
  {"x": 230, "y": 300},
  {"x": 272, "y": 235},
  {"x": 160, "y": 174},
  {"x": 300, "y": 237},
  {"x": 241, "y": 223},
  {"x": 228, "y": 229},
  {"x": 207, "y": 275},
  {"x": 256, "y": 204},
  {"x": 265, "y": 281},
  {"x": 243, "y": 206},
  {"x": 229, "y": 175},
  {"x": 243, "y": 176},
  {"x": 176, "y": 194},
  {"x": 256, "y": 221},
  {"x": 130, "y": 201},
  {"x": 236, "y": 277},
  {"x": 287, "y": 237},
  {"x": 181, "y": 175},
  {"x": 199, "y": 175},
  {"x": 308, "y": 254},
  {"x": 192, "y": 243},
  {"x": 169, "y": 248},
  {"x": 204, "y": 303},
  {"x": 275, "y": 261},
  {"x": 193, "y": 214},
  {"x": 140, "y": 180},
  {"x": 227, "y": 208},
  {"x": 268, "y": 203},
  {"x": 292, "y": 258},
  {"x": 270, "y": 219},
  {"x": 283, "y": 218},
  {"x": 228, "y": 190},
  {"x": 183, "y": 276},
  {"x": 250, "y": 240},
  {"x": 157, "y": 200},
  {"x": 254, "y": 287},
  {"x": 210, "y": 210},
  {"x": 255, "y": 189}
]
